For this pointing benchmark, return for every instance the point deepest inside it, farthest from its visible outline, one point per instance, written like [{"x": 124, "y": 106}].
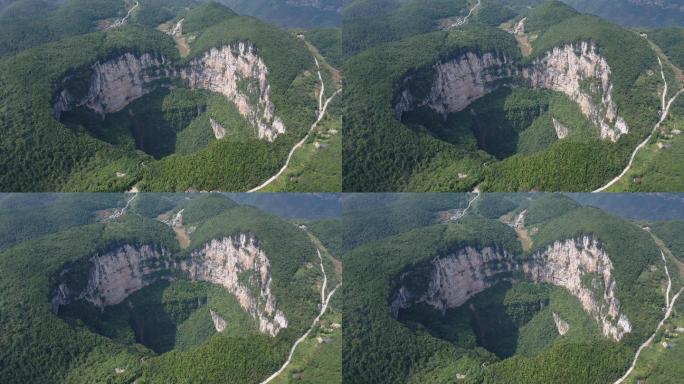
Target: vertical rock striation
[
  {"x": 569, "y": 264},
  {"x": 116, "y": 83},
  {"x": 459, "y": 82},
  {"x": 236, "y": 263},
  {"x": 240, "y": 75},
  {"x": 582, "y": 74},
  {"x": 566, "y": 264},
  {"x": 576, "y": 70},
  {"x": 114, "y": 275},
  {"x": 243, "y": 269},
  {"x": 236, "y": 71}
]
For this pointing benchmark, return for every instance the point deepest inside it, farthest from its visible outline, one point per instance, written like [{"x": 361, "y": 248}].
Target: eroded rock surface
[
  {"x": 236, "y": 71},
  {"x": 116, "y": 83},
  {"x": 576, "y": 70},
  {"x": 114, "y": 275},
  {"x": 241, "y": 267},
  {"x": 240, "y": 74},
  {"x": 459, "y": 82},
  {"x": 236, "y": 263},
  {"x": 582, "y": 74},
  {"x": 561, "y": 325},
  {"x": 455, "y": 278},
  {"x": 220, "y": 323}
]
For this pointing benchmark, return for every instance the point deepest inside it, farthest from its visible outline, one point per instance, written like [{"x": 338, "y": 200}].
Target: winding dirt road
[
  {"x": 665, "y": 110},
  {"x": 322, "y": 107},
  {"x": 325, "y": 300},
  {"x": 120, "y": 212},
  {"x": 669, "y": 305},
  {"x": 123, "y": 20},
  {"x": 470, "y": 204},
  {"x": 464, "y": 20}
]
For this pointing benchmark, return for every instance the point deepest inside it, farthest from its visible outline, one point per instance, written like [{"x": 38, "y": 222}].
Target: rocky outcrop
[
  {"x": 561, "y": 325},
  {"x": 240, "y": 74},
  {"x": 236, "y": 71},
  {"x": 566, "y": 263},
  {"x": 459, "y": 82},
  {"x": 220, "y": 323},
  {"x": 576, "y": 70},
  {"x": 582, "y": 74},
  {"x": 455, "y": 278},
  {"x": 116, "y": 83},
  {"x": 236, "y": 263},
  {"x": 115, "y": 275},
  {"x": 243, "y": 269},
  {"x": 219, "y": 131},
  {"x": 560, "y": 128}
]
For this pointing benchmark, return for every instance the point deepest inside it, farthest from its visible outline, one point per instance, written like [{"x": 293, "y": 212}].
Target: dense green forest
[
  {"x": 163, "y": 140},
  {"x": 162, "y": 332},
  {"x": 506, "y": 333},
  {"x": 506, "y": 140},
  {"x": 671, "y": 41}
]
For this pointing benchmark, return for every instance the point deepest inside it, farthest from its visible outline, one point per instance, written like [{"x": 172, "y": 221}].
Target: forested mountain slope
[
  {"x": 541, "y": 98},
  {"x": 208, "y": 100},
  {"x": 157, "y": 288},
  {"x": 517, "y": 288}
]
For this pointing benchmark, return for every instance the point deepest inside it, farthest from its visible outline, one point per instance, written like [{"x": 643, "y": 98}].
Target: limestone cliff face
[
  {"x": 243, "y": 269},
  {"x": 237, "y": 264},
  {"x": 456, "y": 278},
  {"x": 566, "y": 263},
  {"x": 240, "y": 74},
  {"x": 116, "y": 83},
  {"x": 459, "y": 82},
  {"x": 565, "y": 69},
  {"x": 236, "y": 71},
  {"x": 115, "y": 275},
  {"x": 578, "y": 71}
]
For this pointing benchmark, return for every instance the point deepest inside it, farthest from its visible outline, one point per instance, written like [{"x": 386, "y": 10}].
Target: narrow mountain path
[
  {"x": 669, "y": 306},
  {"x": 464, "y": 20},
  {"x": 322, "y": 107},
  {"x": 325, "y": 300},
  {"x": 120, "y": 212},
  {"x": 123, "y": 20},
  {"x": 665, "y": 110},
  {"x": 467, "y": 208}
]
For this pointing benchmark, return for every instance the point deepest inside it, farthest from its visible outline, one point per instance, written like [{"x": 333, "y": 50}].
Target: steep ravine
[
  {"x": 576, "y": 70},
  {"x": 236, "y": 71},
  {"x": 236, "y": 263},
  {"x": 455, "y": 278}
]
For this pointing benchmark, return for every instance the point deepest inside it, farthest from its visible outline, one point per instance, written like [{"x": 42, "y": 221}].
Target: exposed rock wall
[
  {"x": 566, "y": 263},
  {"x": 243, "y": 269},
  {"x": 459, "y": 82},
  {"x": 582, "y": 74},
  {"x": 236, "y": 71},
  {"x": 237, "y": 264},
  {"x": 456, "y": 278},
  {"x": 578, "y": 71},
  {"x": 115, "y": 275},
  {"x": 240, "y": 74},
  {"x": 116, "y": 83}
]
